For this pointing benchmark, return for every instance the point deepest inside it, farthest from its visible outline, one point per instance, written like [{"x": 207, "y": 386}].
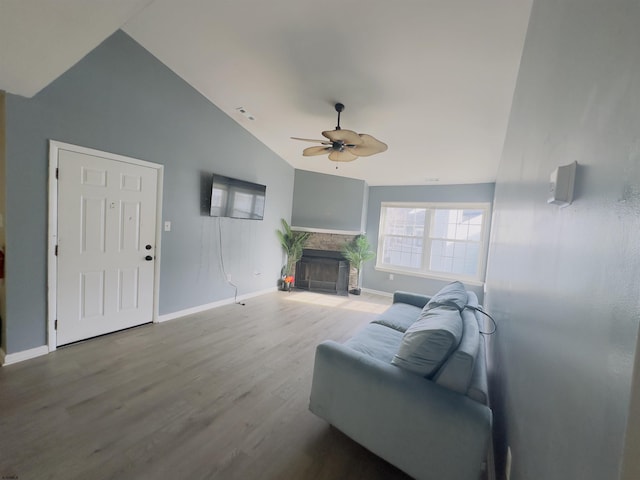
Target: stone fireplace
[{"x": 322, "y": 267}]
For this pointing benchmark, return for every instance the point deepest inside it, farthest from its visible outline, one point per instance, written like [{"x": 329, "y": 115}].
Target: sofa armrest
[
  {"x": 422, "y": 428},
  {"x": 411, "y": 298}
]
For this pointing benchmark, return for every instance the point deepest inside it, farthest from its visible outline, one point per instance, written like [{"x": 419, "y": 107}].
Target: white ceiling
[{"x": 433, "y": 79}]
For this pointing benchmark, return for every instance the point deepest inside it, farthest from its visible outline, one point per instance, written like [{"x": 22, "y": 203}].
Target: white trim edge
[
  {"x": 208, "y": 306},
  {"x": 10, "y": 358},
  {"x": 378, "y": 292}
]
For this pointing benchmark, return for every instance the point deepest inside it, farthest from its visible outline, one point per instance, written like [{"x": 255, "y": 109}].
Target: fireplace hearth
[{"x": 324, "y": 271}]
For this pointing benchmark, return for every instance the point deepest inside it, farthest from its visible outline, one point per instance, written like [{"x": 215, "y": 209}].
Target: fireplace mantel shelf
[{"x": 324, "y": 230}]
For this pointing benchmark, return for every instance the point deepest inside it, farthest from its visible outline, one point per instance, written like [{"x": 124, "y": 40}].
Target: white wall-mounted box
[{"x": 562, "y": 182}]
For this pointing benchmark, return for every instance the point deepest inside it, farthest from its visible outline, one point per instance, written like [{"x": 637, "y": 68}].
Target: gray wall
[
  {"x": 3, "y": 298},
  {"x": 380, "y": 281},
  {"x": 120, "y": 99},
  {"x": 328, "y": 202},
  {"x": 563, "y": 283}
]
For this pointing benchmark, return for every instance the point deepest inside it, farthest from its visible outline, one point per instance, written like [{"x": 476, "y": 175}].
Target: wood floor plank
[{"x": 221, "y": 394}]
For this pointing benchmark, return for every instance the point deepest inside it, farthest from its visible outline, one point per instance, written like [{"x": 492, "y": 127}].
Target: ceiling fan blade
[
  {"x": 346, "y": 136},
  {"x": 311, "y": 151},
  {"x": 342, "y": 156},
  {"x": 324, "y": 142},
  {"x": 369, "y": 146}
]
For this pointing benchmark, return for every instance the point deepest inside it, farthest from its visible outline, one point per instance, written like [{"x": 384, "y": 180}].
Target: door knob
[
  {"x": 148, "y": 258},
  {"x": 148, "y": 247}
]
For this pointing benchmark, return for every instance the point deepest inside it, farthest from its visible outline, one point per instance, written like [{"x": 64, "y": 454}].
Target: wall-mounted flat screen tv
[{"x": 235, "y": 198}]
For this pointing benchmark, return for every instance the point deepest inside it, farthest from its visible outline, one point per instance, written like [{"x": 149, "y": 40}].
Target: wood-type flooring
[{"x": 221, "y": 394}]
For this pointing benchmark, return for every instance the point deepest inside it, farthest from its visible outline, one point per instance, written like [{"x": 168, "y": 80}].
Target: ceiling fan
[{"x": 344, "y": 145}]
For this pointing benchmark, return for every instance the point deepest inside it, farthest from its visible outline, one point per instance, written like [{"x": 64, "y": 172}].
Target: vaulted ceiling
[{"x": 433, "y": 79}]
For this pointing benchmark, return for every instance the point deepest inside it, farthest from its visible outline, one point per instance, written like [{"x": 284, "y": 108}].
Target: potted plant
[
  {"x": 293, "y": 243},
  {"x": 357, "y": 252}
]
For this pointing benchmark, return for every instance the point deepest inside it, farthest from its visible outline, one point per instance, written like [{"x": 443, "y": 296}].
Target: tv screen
[{"x": 235, "y": 198}]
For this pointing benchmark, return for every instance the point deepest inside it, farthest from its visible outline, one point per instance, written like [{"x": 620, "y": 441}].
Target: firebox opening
[{"x": 323, "y": 271}]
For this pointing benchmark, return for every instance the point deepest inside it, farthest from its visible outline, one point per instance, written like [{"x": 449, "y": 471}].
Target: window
[{"x": 441, "y": 240}]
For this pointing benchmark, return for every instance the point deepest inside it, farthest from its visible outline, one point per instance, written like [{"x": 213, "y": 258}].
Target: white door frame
[{"x": 52, "y": 264}]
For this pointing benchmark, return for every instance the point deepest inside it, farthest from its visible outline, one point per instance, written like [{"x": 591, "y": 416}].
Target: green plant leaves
[{"x": 293, "y": 244}]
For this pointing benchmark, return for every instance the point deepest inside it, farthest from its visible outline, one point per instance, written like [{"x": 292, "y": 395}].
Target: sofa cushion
[
  {"x": 399, "y": 316},
  {"x": 427, "y": 343},
  {"x": 451, "y": 294},
  {"x": 377, "y": 341},
  {"x": 478, "y": 386},
  {"x": 457, "y": 370}
]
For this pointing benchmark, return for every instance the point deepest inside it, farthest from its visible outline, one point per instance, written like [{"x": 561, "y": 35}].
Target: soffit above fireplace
[{"x": 329, "y": 204}]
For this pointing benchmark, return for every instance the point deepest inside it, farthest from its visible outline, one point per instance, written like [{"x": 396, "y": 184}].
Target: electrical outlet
[
  {"x": 228, "y": 277},
  {"x": 507, "y": 467},
  {"x": 391, "y": 276}
]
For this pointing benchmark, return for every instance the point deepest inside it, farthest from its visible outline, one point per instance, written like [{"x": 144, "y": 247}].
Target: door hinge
[
  {"x": 55, "y": 324},
  {"x": 57, "y": 173},
  {"x": 56, "y": 251}
]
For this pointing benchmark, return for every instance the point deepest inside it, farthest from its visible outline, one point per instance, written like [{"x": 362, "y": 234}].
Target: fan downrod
[{"x": 339, "y": 108}]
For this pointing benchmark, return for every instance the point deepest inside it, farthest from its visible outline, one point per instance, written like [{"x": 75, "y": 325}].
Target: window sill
[{"x": 444, "y": 277}]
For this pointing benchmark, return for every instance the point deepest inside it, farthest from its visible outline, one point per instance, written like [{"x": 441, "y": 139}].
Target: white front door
[{"x": 106, "y": 245}]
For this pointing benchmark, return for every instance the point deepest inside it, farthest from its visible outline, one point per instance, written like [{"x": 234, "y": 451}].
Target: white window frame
[{"x": 426, "y": 253}]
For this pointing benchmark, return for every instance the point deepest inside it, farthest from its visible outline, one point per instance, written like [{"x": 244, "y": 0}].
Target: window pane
[
  {"x": 471, "y": 259},
  {"x": 441, "y": 259},
  {"x": 404, "y": 221},
  {"x": 402, "y": 251},
  {"x": 475, "y": 232},
  {"x": 456, "y": 224},
  {"x": 474, "y": 217},
  {"x": 454, "y": 257},
  {"x": 437, "y": 260},
  {"x": 440, "y": 224},
  {"x": 459, "y": 254}
]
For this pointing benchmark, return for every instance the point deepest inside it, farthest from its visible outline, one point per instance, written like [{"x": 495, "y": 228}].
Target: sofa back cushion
[
  {"x": 428, "y": 342},
  {"x": 457, "y": 370},
  {"x": 478, "y": 386},
  {"x": 454, "y": 295}
]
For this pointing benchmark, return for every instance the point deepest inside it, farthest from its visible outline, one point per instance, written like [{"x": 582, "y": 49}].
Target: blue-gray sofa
[{"x": 411, "y": 386}]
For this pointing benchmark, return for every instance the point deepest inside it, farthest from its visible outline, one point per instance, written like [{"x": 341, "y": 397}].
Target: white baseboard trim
[
  {"x": 378, "y": 292},
  {"x": 10, "y": 358},
  {"x": 201, "y": 308}
]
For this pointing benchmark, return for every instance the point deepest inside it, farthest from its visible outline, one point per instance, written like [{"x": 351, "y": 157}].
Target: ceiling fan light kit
[{"x": 344, "y": 145}]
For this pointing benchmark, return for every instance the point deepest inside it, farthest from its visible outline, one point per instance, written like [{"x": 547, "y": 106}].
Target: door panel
[
  {"x": 106, "y": 215},
  {"x": 128, "y": 287},
  {"x": 93, "y": 225}
]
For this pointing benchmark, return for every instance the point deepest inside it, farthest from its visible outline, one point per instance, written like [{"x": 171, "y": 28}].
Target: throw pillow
[{"x": 428, "y": 342}]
